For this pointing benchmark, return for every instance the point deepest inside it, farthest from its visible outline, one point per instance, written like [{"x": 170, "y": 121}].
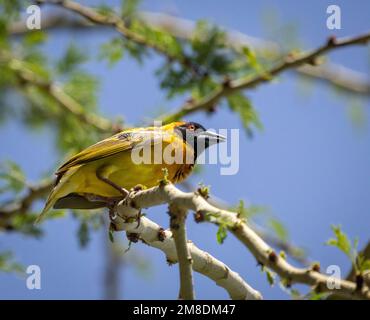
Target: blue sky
[{"x": 310, "y": 164}]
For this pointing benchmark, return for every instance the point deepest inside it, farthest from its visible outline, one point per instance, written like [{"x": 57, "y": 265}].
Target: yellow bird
[{"x": 102, "y": 173}]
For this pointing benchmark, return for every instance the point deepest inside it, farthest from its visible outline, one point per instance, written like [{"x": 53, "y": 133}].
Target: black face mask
[{"x": 198, "y": 137}]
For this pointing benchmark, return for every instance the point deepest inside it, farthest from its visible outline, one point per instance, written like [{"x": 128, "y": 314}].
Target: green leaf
[
  {"x": 111, "y": 235},
  {"x": 34, "y": 38},
  {"x": 83, "y": 234},
  {"x": 10, "y": 10},
  {"x": 270, "y": 277},
  {"x": 279, "y": 229},
  {"x": 317, "y": 296},
  {"x": 362, "y": 262},
  {"x": 252, "y": 59},
  {"x": 282, "y": 254},
  {"x": 105, "y": 10},
  {"x": 129, "y": 7},
  {"x": 7, "y": 263},
  {"x": 241, "y": 210},
  {"x": 365, "y": 265},
  {"x": 221, "y": 234},
  {"x": 82, "y": 87},
  {"x": 295, "y": 294},
  {"x": 248, "y": 212},
  {"x": 340, "y": 241},
  {"x": 248, "y": 115},
  {"x": 25, "y": 224},
  {"x": 357, "y": 113},
  {"x": 71, "y": 59},
  {"x": 12, "y": 176},
  {"x": 112, "y": 51},
  {"x": 203, "y": 190}
]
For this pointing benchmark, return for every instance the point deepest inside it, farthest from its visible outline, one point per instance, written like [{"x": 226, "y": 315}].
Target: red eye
[{"x": 191, "y": 127}]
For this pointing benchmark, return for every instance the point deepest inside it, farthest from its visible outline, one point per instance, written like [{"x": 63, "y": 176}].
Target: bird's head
[{"x": 196, "y": 135}]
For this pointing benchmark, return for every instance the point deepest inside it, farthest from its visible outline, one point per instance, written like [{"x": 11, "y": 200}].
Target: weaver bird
[{"x": 102, "y": 173}]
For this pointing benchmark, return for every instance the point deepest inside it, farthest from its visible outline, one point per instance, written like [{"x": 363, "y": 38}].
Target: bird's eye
[{"x": 191, "y": 127}]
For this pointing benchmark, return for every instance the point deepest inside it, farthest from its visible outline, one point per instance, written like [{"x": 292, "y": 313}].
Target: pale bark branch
[
  {"x": 178, "y": 228},
  {"x": 153, "y": 235},
  {"x": 263, "y": 253},
  {"x": 22, "y": 205}
]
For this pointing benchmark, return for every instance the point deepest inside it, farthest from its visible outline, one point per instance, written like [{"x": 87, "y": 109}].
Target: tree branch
[
  {"x": 178, "y": 228},
  {"x": 22, "y": 205},
  {"x": 290, "y": 62},
  {"x": 335, "y": 74},
  {"x": 65, "y": 101},
  {"x": 291, "y": 249},
  {"x": 41, "y": 190},
  {"x": 114, "y": 21},
  {"x": 263, "y": 253},
  {"x": 153, "y": 235}
]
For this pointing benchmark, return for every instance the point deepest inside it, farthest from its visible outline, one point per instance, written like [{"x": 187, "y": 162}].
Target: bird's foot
[
  {"x": 112, "y": 213},
  {"x": 139, "y": 215},
  {"x": 110, "y": 202}
]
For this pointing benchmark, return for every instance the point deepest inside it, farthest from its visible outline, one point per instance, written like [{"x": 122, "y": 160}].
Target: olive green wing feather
[{"x": 123, "y": 141}]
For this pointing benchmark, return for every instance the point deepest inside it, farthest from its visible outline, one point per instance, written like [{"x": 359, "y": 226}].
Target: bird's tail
[
  {"x": 60, "y": 190},
  {"x": 52, "y": 198}
]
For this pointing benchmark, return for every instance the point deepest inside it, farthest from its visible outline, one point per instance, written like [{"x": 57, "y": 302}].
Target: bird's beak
[{"x": 212, "y": 137}]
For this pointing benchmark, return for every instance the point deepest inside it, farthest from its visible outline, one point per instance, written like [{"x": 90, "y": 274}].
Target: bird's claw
[
  {"x": 139, "y": 219},
  {"x": 112, "y": 214}
]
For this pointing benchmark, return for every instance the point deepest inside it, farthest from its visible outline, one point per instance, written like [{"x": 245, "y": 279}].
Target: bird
[{"x": 102, "y": 174}]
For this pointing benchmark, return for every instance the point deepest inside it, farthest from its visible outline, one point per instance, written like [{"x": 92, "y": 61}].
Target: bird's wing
[{"x": 123, "y": 141}]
